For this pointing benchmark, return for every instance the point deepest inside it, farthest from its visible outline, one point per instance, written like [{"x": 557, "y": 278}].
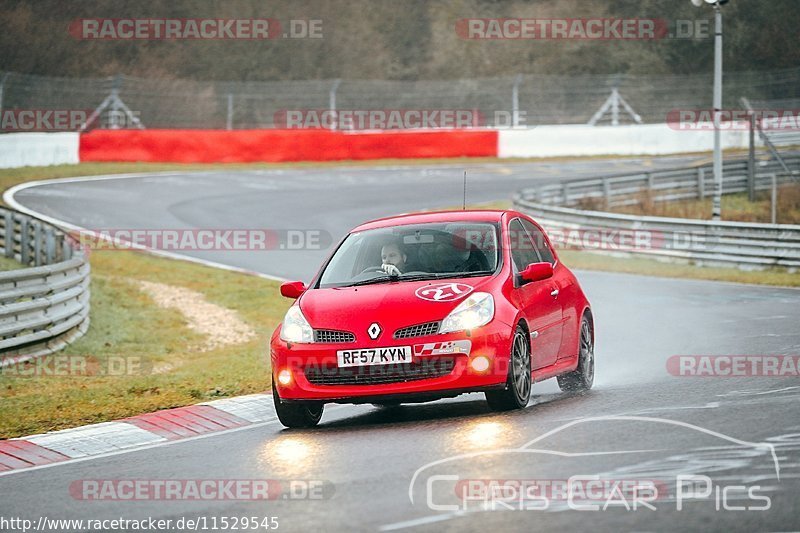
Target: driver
[{"x": 393, "y": 258}]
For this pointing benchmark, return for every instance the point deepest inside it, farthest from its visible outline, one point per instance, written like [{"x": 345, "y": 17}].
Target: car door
[
  {"x": 564, "y": 284},
  {"x": 538, "y": 300}
]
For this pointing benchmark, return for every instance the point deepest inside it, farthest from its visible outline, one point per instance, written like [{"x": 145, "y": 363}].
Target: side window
[
  {"x": 539, "y": 242},
  {"x": 522, "y": 251}
]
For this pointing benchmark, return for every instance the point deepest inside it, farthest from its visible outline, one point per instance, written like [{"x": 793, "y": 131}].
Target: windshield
[{"x": 413, "y": 252}]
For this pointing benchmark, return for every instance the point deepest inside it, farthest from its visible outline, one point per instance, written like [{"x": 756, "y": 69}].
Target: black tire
[
  {"x": 582, "y": 378},
  {"x": 297, "y": 414},
  {"x": 518, "y": 384}
]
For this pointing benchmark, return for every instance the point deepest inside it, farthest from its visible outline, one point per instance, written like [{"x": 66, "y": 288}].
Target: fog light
[
  {"x": 284, "y": 377},
  {"x": 480, "y": 363}
]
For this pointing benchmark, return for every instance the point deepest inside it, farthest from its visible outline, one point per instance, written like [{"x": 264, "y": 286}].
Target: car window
[
  {"x": 539, "y": 241},
  {"x": 436, "y": 250},
  {"x": 523, "y": 252}
]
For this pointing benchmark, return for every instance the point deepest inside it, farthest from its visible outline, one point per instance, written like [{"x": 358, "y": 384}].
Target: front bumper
[{"x": 492, "y": 341}]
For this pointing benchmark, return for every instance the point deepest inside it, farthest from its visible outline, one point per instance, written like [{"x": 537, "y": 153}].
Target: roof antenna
[{"x": 464, "y": 205}]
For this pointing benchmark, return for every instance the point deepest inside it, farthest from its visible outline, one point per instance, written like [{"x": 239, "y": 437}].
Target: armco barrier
[
  {"x": 38, "y": 149},
  {"x": 244, "y": 146},
  {"x": 44, "y": 305},
  {"x": 571, "y": 207}
]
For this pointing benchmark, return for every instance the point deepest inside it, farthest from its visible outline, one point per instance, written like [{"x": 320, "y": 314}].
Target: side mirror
[
  {"x": 292, "y": 289},
  {"x": 537, "y": 272}
]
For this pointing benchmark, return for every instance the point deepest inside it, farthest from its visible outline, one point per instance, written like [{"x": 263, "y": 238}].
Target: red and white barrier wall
[{"x": 271, "y": 145}]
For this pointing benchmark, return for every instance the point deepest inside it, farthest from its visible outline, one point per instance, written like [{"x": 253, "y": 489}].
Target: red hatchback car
[{"x": 426, "y": 306}]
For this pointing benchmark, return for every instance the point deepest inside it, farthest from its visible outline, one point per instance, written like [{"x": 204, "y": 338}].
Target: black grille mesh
[
  {"x": 333, "y": 336},
  {"x": 420, "y": 330}
]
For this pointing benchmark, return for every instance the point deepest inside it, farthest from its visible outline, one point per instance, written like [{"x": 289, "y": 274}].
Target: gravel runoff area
[{"x": 221, "y": 326}]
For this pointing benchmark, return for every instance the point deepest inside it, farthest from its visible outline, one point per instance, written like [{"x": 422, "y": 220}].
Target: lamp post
[{"x": 716, "y": 210}]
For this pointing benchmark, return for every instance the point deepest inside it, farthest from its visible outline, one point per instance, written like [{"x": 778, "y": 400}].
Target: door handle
[{"x": 554, "y": 293}]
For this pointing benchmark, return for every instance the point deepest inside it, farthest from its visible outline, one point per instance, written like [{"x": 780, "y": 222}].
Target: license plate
[{"x": 374, "y": 356}]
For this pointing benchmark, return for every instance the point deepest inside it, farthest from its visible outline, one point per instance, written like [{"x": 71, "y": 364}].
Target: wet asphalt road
[{"x": 368, "y": 457}]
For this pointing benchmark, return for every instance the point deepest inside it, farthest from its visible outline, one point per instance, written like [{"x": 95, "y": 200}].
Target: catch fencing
[{"x": 533, "y": 99}]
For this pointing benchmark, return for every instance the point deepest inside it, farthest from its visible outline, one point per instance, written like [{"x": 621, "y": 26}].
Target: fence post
[
  {"x": 229, "y": 121},
  {"x": 607, "y": 192},
  {"x": 37, "y": 243},
  {"x": 66, "y": 249},
  {"x": 751, "y": 161},
  {"x": 565, "y": 188},
  {"x": 3, "y": 88},
  {"x": 50, "y": 245},
  {"x": 701, "y": 183},
  {"x": 9, "y": 236},
  {"x": 515, "y": 101},
  {"x": 774, "y": 205},
  {"x": 332, "y": 103},
  {"x": 24, "y": 251}
]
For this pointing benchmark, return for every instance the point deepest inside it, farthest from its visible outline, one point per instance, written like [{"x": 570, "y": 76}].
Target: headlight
[
  {"x": 295, "y": 327},
  {"x": 475, "y": 311}
]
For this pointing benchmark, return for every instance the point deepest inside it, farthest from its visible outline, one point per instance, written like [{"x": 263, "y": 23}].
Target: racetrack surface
[{"x": 662, "y": 427}]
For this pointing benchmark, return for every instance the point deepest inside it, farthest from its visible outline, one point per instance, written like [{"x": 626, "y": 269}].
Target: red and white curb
[{"x": 136, "y": 432}]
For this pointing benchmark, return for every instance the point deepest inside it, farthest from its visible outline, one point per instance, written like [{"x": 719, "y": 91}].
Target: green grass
[
  {"x": 127, "y": 326},
  {"x": 736, "y": 207},
  {"x": 8, "y": 264}
]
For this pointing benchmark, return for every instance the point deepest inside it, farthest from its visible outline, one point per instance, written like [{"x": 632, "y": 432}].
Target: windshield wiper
[
  {"x": 445, "y": 275},
  {"x": 379, "y": 279},
  {"x": 473, "y": 274},
  {"x": 420, "y": 277}
]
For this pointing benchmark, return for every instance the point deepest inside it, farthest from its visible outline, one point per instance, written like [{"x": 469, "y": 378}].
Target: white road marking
[
  {"x": 421, "y": 521},
  {"x": 756, "y": 392}
]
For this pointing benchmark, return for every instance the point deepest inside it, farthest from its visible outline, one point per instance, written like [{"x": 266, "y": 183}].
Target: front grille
[
  {"x": 378, "y": 374},
  {"x": 420, "y": 330},
  {"x": 331, "y": 336}
]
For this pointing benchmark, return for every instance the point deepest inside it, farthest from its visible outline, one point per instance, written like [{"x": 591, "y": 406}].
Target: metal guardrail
[
  {"x": 577, "y": 206},
  {"x": 44, "y": 305}
]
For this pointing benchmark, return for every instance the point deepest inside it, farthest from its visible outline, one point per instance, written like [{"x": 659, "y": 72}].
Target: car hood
[{"x": 392, "y": 305}]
